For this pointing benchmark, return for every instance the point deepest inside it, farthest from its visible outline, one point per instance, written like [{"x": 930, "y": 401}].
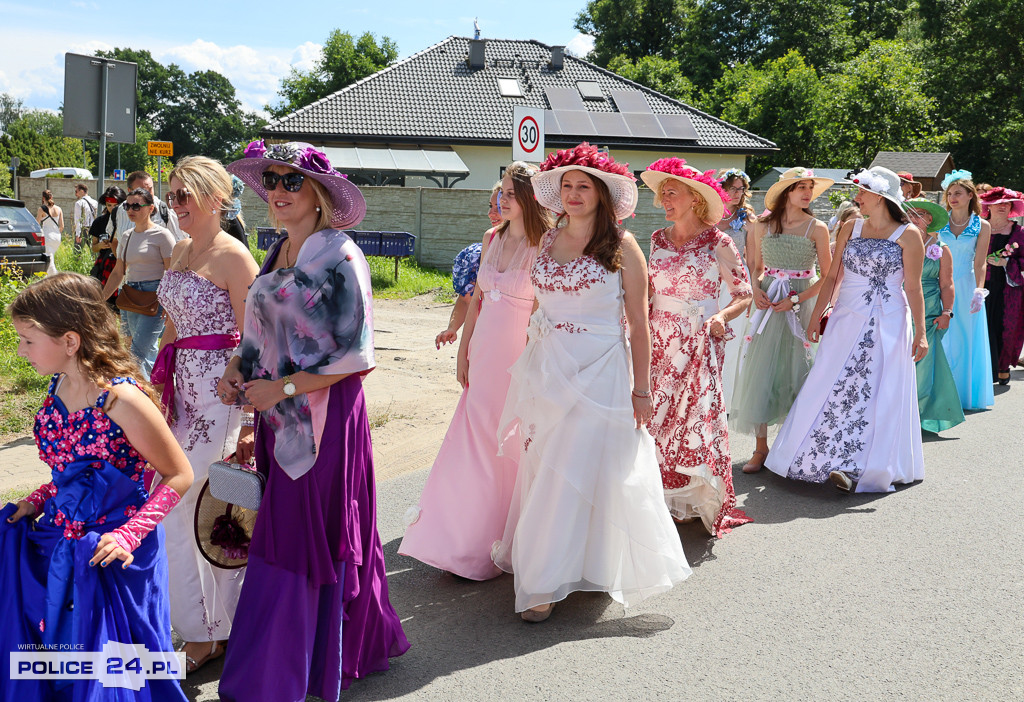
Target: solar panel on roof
[
  {"x": 575, "y": 122},
  {"x": 564, "y": 99},
  {"x": 609, "y": 124},
  {"x": 678, "y": 127},
  {"x": 551, "y": 125},
  {"x": 644, "y": 126},
  {"x": 630, "y": 101}
]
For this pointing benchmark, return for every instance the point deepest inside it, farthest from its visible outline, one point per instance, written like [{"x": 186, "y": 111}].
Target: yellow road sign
[{"x": 160, "y": 148}]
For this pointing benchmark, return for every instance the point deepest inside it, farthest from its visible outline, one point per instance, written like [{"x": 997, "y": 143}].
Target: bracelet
[
  {"x": 641, "y": 393},
  {"x": 248, "y": 419}
]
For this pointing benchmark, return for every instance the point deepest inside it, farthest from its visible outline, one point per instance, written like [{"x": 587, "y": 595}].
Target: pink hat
[{"x": 999, "y": 195}]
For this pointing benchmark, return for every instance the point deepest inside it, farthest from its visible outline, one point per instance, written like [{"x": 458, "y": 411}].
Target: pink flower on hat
[
  {"x": 677, "y": 167},
  {"x": 255, "y": 149},
  {"x": 315, "y": 161}
]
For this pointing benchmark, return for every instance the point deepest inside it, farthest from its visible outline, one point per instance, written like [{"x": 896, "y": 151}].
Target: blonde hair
[
  {"x": 323, "y": 201},
  {"x": 972, "y": 190},
  {"x": 700, "y": 205},
  {"x": 206, "y": 178},
  {"x": 497, "y": 186}
]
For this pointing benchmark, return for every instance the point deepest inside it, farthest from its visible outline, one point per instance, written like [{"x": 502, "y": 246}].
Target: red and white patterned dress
[{"x": 690, "y": 426}]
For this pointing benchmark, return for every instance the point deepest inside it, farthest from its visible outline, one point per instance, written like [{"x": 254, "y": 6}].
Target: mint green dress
[
  {"x": 937, "y": 397},
  {"x": 776, "y": 357}
]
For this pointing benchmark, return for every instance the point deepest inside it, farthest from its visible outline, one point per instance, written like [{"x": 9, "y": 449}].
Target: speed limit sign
[{"x": 527, "y": 134}]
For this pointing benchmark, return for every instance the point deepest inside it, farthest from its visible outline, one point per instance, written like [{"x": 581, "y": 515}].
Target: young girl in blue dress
[{"x": 82, "y": 558}]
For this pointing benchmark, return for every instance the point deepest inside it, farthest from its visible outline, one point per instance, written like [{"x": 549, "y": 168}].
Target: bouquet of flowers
[{"x": 1004, "y": 252}]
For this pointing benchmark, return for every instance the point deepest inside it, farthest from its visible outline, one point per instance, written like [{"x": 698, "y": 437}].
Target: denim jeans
[{"x": 144, "y": 330}]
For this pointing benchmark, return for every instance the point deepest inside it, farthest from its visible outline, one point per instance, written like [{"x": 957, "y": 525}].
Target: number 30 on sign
[{"x": 527, "y": 134}]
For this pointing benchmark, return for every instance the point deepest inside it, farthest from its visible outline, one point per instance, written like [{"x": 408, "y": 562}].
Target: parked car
[
  {"x": 21, "y": 238},
  {"x": 62, "y": 172}
]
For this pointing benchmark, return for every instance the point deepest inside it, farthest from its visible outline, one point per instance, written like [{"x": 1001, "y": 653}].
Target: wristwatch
[
  {"x": 289, "y": 386},
  {"x": 949, "y": 312}
]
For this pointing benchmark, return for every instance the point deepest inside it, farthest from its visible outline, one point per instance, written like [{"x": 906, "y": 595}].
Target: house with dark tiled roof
[
  {"x": 443, "y": 116},
  {"x": 927, "y": 168}
]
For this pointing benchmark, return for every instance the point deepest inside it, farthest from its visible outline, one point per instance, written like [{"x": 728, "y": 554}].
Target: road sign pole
[
  {"x": 103, "y": 123},
  {"x": 159, "y": 172}
]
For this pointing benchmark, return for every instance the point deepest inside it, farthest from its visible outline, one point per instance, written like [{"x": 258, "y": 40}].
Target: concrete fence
[{"x": 444, "y": 221}]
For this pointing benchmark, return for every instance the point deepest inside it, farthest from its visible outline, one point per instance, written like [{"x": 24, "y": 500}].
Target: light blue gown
[{"x": 966, "y": 341}]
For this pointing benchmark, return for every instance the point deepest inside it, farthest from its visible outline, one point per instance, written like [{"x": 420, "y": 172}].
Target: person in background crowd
[
  {"x": 937, "y": 398},
  {"x": 103, "y": 233},
  {"x": 464, "y": 270},
  {"x": 162, "y": 215},
  {"x": 203, "y": 293},
  {"x": 588, "y": 511},
  {"x": 847, "y": 210},
  {"x": 231, "y": 219},
  {"x": 967, "y": 342},
  {"x": 691, "y": 260},
  {"x": 855, "y": 422},
  {"x": 143, "y": 254},
  {"x": 51, "y": 219},
  {"x": 314, "y": 613},
  {"x": 738, "y": 220},
  {"x": 84, "y": 214},
  {"x": 908, "y": 186},
  {"x": 1004, "y": 279},
  {"x": 465, "y": 503},
  {"x": 782, "y": 255}
]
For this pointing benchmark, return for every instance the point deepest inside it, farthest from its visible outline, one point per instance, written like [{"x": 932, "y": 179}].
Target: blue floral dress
[
  {"x": 52, "y": 597},
  {"x": 857, "y": 412},
  {"x": 464, "y": 269}
]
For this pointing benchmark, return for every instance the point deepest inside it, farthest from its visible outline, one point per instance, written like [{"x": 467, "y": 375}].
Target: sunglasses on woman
[
  {"x": 292, "y": 182},
  {"x": 179, "y": 196},
  {"x": 135, "y": 206}
]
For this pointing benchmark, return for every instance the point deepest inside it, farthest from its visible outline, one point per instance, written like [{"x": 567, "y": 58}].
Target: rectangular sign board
[
  {"x": 160, "y": 148},
  {"x": 83, "y": 93},
  {"x": 527, "y": 134}
]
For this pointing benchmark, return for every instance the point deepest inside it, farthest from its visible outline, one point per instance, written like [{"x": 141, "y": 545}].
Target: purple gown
[{"x": 315, "y": 560}]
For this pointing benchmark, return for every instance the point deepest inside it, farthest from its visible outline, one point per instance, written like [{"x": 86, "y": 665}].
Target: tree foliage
[
  {"x": 343, "y": 61},
  {"x": 37, "y": 138},
  {"x": 834, "y": 81}
]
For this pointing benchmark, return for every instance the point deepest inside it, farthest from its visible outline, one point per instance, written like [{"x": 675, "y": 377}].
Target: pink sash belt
[{"x": 163, "y": 368}]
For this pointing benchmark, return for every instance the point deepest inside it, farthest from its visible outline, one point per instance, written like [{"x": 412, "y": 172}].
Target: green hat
[{"x": 939, "y": 215}]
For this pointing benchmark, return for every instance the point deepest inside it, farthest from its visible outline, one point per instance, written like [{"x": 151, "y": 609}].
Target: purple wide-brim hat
[{"x": 348, "y": 202}]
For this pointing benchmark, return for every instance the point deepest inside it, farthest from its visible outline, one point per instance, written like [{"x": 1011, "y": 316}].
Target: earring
[
  {"x": 317, "y": 209},
  {"x": 213, "y": 211}
]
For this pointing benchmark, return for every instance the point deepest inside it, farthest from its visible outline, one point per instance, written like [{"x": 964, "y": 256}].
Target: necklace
[
  {"x": 959, "y": 224},
  {"x": 188, "y": 256},
  {"x": 679, "y": 240}
]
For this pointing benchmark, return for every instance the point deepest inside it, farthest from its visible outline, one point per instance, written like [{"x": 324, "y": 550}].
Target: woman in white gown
[
  {"x": 587, "y": 512},
  {"x": 855, "y": 421}
]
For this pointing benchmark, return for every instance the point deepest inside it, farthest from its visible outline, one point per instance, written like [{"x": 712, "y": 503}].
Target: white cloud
[
  {"x": 306, "y": 56},
  {"x": 580, "y": 45}
]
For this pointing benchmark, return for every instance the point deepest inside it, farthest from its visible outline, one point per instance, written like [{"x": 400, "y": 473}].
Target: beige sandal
[
  {"x": 216, "y": 651},
  {"x": 751, "y": 467},
  {"x": 535, "y": 616}
]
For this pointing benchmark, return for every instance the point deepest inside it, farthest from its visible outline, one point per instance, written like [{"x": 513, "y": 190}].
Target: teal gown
[{"x": 937, "y": 397}]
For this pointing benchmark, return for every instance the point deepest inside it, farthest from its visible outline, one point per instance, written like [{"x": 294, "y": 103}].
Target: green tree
[
  {"x": 664, "y": 75},
  {"x": 876, "y": 102},
  {"x": 634, "y": 29},
  {"x": 11, "y": 109},
  {"x": 37, "y": 138},
  {"x": 777, "y": 101},
  {"x": 344, "y": 61}
]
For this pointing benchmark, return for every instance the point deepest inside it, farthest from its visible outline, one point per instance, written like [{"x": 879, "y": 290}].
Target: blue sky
[{"x": 255, "y": 47}]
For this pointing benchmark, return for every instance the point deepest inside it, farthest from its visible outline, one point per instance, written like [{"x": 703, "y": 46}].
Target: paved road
[{"x": 911, "y": 595}]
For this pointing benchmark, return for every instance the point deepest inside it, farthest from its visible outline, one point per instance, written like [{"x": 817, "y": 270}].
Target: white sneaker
[{"x": 841, "y": 480}]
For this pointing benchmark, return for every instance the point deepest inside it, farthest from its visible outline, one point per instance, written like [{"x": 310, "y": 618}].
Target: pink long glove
[
  {"x": 40, "y": 495},
  {"x": 130, "y": 534}
]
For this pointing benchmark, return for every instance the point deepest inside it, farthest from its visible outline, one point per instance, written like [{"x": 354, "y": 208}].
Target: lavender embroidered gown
[
  {"x": 857, "y": 412},
  {"x": 203, "y": 597}
]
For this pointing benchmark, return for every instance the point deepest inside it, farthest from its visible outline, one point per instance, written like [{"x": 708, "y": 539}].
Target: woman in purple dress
[
  {"x": 1004, "y": 279},
  {"x": 315, "y": 559}
]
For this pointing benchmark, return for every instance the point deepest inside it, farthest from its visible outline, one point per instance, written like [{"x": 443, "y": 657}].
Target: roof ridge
[{"x": 375, "y": 74}]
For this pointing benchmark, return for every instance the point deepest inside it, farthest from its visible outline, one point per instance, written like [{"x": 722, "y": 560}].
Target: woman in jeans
[{"x": 143, "y": 254}]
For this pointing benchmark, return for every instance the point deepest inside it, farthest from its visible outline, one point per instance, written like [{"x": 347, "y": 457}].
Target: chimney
[
  {"x": 476, "y": 53},
  {"x": 557, "y": 57}
]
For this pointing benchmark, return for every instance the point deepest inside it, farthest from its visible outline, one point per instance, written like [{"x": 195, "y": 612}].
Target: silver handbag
[{"x": 237, "y": 484}]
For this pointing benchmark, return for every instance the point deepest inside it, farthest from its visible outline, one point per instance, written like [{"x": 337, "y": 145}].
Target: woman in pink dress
[
  {"x": 465, "y": 502},
  {"x": 689, "y": 262}
]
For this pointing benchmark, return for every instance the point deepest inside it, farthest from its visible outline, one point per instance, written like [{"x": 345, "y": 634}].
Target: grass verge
[{"x": 413, "y": 280}]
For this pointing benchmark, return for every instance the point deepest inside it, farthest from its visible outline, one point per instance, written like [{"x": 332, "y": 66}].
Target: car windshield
[{"x": 16, "y": 215}]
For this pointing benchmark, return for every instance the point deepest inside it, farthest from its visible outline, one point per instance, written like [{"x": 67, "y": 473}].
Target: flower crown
[
  {"x": 308, "y": 158},
  {"x": 875, "y": 183},
  {"x": 677, "y": 167},
  {"x": 734, "y": 173},
  {"x": 587, "y": 156},
  {"x": 954, "y": 176}
]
